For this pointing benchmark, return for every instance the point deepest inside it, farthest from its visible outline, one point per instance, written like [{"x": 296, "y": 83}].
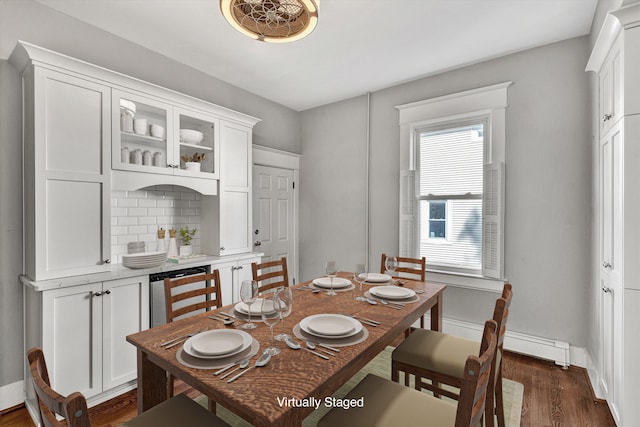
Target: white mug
[{"x": 140, "y": 126}]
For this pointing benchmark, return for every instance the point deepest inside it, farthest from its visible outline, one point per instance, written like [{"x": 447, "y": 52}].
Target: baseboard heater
[{"x": 544, "y": 348}]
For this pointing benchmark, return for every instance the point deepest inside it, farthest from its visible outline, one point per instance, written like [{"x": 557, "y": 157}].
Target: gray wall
[
  {"x": 548, "y": 180},
  {"x": 30, "y": 21}
]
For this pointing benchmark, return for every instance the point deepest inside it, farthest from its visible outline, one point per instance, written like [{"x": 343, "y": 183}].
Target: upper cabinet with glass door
[
  {"x": 153, "y": 136},
  {"x": 198, "y": 148}
]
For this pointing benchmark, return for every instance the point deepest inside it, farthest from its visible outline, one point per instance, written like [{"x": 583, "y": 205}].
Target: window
[
  {"x": 437, "y": 223},
  {"x": 452, "y": 185},
  {"x": 449, "y": 168}
]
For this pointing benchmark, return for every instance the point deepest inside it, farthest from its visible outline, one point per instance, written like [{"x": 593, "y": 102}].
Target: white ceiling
[{"x": 357, "y": 47}]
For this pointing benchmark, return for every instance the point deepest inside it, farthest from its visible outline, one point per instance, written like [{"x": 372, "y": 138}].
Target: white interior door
[{"x": 273, "y": 214}]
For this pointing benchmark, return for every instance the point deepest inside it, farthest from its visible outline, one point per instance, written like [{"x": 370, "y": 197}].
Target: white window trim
[{"x": 490, "y": 101}]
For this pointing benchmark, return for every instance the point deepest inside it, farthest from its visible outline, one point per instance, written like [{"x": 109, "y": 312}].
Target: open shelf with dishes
[{"x": 198, "y": 146}]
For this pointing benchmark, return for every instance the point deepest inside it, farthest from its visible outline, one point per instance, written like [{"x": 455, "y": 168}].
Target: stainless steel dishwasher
[{"x": 158, "y": 302}]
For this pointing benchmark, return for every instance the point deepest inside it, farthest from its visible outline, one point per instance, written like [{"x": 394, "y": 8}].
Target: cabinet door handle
[
  {"x": 606, "y": 290},
  {"x": 239, "y": 267},
  {"x": 97, "y": 294},
  {"x": 107, "y": 261},
  {"x": 257, "y": 243},
  {"x": 107, "y": 292},
  {"x": 605, "y": 264},
  {"x": 606, "y": 117},
  {"x": 222, "y": 248}
]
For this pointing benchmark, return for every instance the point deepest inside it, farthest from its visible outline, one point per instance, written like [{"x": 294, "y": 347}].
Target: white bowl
[{"x": 190, "y": 136}]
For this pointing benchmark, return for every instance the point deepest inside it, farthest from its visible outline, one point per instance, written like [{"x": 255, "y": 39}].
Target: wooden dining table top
[{"x": 290, "y": 374}]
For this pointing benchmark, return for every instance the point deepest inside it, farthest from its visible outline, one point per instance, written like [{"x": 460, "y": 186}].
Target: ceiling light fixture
[{"x": 275, "y": 21}]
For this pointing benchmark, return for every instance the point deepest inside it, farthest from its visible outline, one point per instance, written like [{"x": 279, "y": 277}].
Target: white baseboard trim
[
  {"x": 558, "y": 351},
  {"x": 11, "y": 395}
]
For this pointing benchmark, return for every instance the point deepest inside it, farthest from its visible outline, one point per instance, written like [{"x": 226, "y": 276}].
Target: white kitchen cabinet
[
  {"x": 158, "y": 147},
  {"x": 616, "y": 59},
  {"x": 66, "y": 174},
  {"x": 231, "y": 233},
  {"x": 232, "y": 273},
  {"x": 82, "y": 331},
  {"x": 610, "y": 84}
]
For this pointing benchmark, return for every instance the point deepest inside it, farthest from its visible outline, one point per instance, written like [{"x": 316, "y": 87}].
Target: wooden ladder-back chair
[
  {"x": 391, "y": 404},
  {"x": 179, "y": 410},
  {"x": 174, "y": 294},
  {"x": 414, "y": 267},
  {"x": 440, "y": 358},
  {"x": 408, "y": 268},
  {"x": 276, "y": 278}
]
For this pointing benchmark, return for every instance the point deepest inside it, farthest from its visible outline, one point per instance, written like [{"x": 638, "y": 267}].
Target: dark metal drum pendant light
[{"x": 275, "y": 21}]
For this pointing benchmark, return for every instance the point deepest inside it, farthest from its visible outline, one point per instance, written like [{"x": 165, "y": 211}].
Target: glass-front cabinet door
[
  {"x": 197, "y": 136},
  {"x": 142, "y": 128}
]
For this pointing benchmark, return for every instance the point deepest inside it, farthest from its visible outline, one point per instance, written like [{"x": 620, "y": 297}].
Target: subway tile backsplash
[{"x": 137, "y": 215}]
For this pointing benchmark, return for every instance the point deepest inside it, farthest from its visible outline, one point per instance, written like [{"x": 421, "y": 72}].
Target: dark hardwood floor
[{"x": 552, "y": 397}]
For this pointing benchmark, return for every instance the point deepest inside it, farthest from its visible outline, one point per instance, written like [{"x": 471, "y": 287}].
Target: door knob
[
  {"x": 257, "y": 243},
  {"x": 605, "y": 264}
]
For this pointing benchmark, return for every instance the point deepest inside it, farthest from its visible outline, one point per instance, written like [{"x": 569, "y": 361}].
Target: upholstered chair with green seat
[
  {"x": 389, "y": 404},
  {"x": 177, "y": 411},
  {"x": 435, "y": 358}
]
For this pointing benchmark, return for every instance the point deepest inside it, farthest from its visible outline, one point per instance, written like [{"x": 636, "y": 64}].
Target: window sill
[{"x": 467, "y": 281}]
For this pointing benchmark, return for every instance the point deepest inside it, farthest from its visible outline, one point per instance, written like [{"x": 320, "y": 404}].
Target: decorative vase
[
  {"x": 186, "y": 250},
  {"x": 192, "y": 166},
  {"x": 173, "y": 246}
]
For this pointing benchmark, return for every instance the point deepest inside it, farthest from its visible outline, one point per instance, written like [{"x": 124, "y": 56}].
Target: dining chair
[
  {"x": 386, "y": 403},
  {"x": 414, "y": 268},
  {"x": 270, "y": 274},
  {"x": 440, "y": 358},
  {"x": 180, "y": 303},
  {"x": 179, "y": 410}
]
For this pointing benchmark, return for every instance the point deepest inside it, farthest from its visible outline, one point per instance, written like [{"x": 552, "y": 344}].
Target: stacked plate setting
[
  {"x": 330, "y": 326},
  {"x": 144, "y": 259},
  {"x": 372, "y": 278},
  {"x": 395, "y": 293},
  {"x": 218, "y": 344},
  {"x": 325, "y": 283},
  {"x": 243, "y": 309}
]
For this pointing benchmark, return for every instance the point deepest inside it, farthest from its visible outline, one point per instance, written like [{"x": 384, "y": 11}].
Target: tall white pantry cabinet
[
  {"x": 616, "y": 60},
  {"x": 78, "y": 307}
]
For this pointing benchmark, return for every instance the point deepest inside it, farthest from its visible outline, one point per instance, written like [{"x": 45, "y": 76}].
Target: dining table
[{"x": 263, "y": 395}]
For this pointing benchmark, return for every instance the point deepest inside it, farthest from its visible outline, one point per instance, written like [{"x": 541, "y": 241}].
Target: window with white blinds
[
  {"x": 452, "y": 183},
  {"x": 449, "y": 192}
]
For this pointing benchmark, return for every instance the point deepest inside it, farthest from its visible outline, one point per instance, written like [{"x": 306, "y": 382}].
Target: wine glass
[
  {"x": 248, "y": 295},
  {"x": 359, "y": 276},
  {"x": 391, "y": 263},
  {"x": 270, "y": 312},
  {"x": 286, "y": 304},
  {"x": 331, "y": 268}
]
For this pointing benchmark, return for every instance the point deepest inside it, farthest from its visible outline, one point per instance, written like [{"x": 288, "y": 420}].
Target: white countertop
[{"x": 118, "y": 271}]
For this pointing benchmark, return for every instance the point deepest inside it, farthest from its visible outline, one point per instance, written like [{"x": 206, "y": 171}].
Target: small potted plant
[
  {"x": 186, "y": 235},
  {"x": 192, "y": 162}
]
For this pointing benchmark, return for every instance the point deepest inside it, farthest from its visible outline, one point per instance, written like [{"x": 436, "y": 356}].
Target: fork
[{"x": 174, "y": 342}]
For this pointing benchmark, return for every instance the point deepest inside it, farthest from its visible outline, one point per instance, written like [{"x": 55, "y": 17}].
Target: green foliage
[{"x": 187, "y": 235}]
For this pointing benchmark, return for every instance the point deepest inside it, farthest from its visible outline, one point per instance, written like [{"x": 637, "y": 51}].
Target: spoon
[
  {"x": 241, "y": 365},
  {"x": 225, "y": 320},
  {"x": 262, "y": 361},
  {"x": 372, "y": 302},
  {"x": 295, "y": 345},
  {"x": 384, "y": 302},
  {"x": 312, "y": 346}
]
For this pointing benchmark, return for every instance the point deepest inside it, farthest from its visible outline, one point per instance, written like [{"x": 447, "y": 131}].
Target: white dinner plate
[
  {"x": 330, "y": 325},
  {"x": 377, "y": 278},
  {"x": 325, "y": 282},
  {"x": 392, "y": 292},
  {"x": 255, "y": 307},
  {"x": 209, "y": 339}
]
